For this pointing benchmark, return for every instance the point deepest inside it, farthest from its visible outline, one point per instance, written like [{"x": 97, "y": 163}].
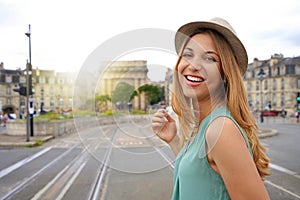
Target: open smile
[{"x": 193, "y": 80}]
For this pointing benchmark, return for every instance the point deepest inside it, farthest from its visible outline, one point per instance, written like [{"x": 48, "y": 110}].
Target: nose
[{"x": 196, "y": 63}]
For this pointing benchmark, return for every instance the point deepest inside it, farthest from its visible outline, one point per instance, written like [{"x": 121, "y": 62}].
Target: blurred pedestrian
[
  {"x": 218, "y": 152},
  {"x": 4, "y": 119}
]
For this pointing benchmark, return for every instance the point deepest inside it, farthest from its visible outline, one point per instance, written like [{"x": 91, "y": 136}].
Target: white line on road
[
  {"x": 282, "y": 189},
  {"x": 167, "y": 158},
  {"x": 70, "y": 182},
  {"x": 22, "y": 162},
  {"x": 284, "y": 170}
]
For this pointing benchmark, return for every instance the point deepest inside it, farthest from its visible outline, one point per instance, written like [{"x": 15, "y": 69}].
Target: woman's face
[{"x": 199, "y": 70}]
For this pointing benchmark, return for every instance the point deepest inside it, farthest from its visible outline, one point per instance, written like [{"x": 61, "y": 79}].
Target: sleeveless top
[{"x": 193, "y": 176}]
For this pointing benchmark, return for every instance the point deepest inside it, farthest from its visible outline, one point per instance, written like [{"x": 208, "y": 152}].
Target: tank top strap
[{"x": 221, "y": 111}]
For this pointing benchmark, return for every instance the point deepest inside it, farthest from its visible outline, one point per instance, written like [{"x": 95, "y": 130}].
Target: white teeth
[{"x": 194, "y": 79}]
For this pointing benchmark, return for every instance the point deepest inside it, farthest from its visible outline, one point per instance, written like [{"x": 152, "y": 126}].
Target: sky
[{"x": 64, "y": 33}]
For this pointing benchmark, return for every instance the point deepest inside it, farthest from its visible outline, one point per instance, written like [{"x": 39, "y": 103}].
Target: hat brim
[{"x": 188, "y": 30}]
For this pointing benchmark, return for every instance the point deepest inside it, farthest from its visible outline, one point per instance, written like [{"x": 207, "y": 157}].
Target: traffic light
[
  {"x": 298, "y": 102},
  {"x": 298, "y": 97},
  {"x": 21, "y": 90}
]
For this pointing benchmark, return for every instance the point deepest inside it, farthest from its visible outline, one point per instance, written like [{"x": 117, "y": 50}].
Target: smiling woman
[{"x": 217, "y": 142}]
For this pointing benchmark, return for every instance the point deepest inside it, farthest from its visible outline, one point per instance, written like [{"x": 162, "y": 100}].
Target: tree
[
  {"x": 123, "y": 93},
  {"x": 101, "y": 102},
  {"x": 152, "y": 92}
]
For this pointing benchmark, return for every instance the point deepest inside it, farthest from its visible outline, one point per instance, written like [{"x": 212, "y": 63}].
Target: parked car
[{"x": 270, "y": 113}]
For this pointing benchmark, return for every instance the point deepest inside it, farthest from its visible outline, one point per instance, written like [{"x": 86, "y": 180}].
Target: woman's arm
[{"x": 229, "y": 156}]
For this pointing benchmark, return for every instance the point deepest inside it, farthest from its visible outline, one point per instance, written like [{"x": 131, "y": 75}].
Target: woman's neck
[{"x": 203, "y": 109}]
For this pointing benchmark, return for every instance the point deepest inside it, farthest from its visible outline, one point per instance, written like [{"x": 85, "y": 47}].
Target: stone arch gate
[{"x": 133, "y": 73}]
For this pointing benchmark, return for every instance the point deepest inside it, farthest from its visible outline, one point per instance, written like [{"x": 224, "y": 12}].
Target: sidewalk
[
  {"x": 20, "y": 141},
  {"x": 10, "y": 141}
]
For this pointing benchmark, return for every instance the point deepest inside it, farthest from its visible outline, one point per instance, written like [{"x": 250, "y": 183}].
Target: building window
[
  {"x": 274, "y": 100},
  {"x": 70, "y": 102},
  {"x": 51, "y": 91},
  {"x": 249, "y": 86},
  {"x": 51, "y": 103},
  {"x": 266, "y": 100},
  {"x": 297, "y": 69},
  {"x": 8, "y": 101},
  {"x": 298, "y": 83},
  {"x": 282, "y": 99},
  {"x": 8, "y": 79},
  {"x": 22, "y": 79},
  {"x": 8, "y": 90},
  {"x": 42, "y": 80},
  {"x": 290, "y": 69},
  {"x": 257, "y": 85},
  {"x": 22, "y": 103},
  {"x": 274, "y": 85},
  {"x": 282, "y": 84},
  {"x": 51, "y": 80},
  {"x": 282, "y": 70},
  {"x": 257, "y": 100},
  {"x": 266, "y": 84}
]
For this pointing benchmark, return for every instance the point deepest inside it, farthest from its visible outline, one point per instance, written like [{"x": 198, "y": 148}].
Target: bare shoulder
[
  {"x": 223, "y": 131},
  {"x": 229, "y": 156}
]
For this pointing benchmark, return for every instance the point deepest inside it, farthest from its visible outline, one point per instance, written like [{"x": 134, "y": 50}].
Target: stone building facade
[
  {"x": 57, "y": 91},
  {"x": 9, "y": 79},
  {"x": 273, "y": 84},
  {"x": 52, "y": 90}
]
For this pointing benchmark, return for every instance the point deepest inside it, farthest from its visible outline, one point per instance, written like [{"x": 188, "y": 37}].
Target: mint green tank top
[{"x": 194, "y": 179}]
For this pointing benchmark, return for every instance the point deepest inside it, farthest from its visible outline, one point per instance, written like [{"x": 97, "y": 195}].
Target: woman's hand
[{"x": 164, "y": 126}]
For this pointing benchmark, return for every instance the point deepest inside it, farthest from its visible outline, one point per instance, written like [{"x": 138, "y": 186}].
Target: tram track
[
  {"x": 60, "y": 183},
  {"x": 56, "y": 188}
]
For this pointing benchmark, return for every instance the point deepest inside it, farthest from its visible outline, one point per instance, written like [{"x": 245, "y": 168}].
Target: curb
[
  {"x": 264, "y": 133},
  {"x": 32, "y": 143}
]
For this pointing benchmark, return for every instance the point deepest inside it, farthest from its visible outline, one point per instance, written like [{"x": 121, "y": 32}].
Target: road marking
[
  {"x": 22, "y": 162},
  {"x": 264, "y": 144},
  {"x": 70, "y": 182},
  {"x": 284, "y": 170},
  {"x": 282, "y": 189},
  {"x": 50, "y": 184},
  {"x": 167, "y": 158}
]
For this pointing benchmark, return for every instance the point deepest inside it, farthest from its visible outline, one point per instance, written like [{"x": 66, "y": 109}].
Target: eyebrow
[
  {"x": 212, "y": 52},
  {"x": 207, "y": 52}
]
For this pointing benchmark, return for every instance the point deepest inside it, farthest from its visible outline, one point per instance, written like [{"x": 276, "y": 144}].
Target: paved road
[
  {"x": 284, "y": 151},
  {"x": 124, "y": 162}
]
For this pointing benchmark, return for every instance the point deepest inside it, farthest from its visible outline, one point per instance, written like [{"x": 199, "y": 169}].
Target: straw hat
[{"x": 224, "y": 28}]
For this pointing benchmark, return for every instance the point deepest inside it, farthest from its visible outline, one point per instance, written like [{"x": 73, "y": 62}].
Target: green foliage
[
  {"x": 123, "y": 93},
  {"x": 154, "y": 93},
  {"x": 82, "y": 113},
  {"x": 138, "y": 112},
  {"x": 101, "y": 102},
  {"x": 36, "y": 144},
  {"x": 107, "y": 113},
  {"x": 102, "y": 98},
  {"x": 50, "y": 116}
]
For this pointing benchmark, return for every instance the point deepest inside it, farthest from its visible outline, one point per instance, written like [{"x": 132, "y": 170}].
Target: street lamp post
[
  {"x": 261, "y": 74},
  {"x": 29, "y": 91}
]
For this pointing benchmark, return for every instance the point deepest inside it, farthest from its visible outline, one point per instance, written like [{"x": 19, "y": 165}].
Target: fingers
[
  {"x": 158, "y": 120},
  {"x": 165, "y": 114}
]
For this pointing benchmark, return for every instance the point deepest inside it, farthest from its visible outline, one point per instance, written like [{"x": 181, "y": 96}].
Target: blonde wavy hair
[{"x": 235, "y": 97}]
